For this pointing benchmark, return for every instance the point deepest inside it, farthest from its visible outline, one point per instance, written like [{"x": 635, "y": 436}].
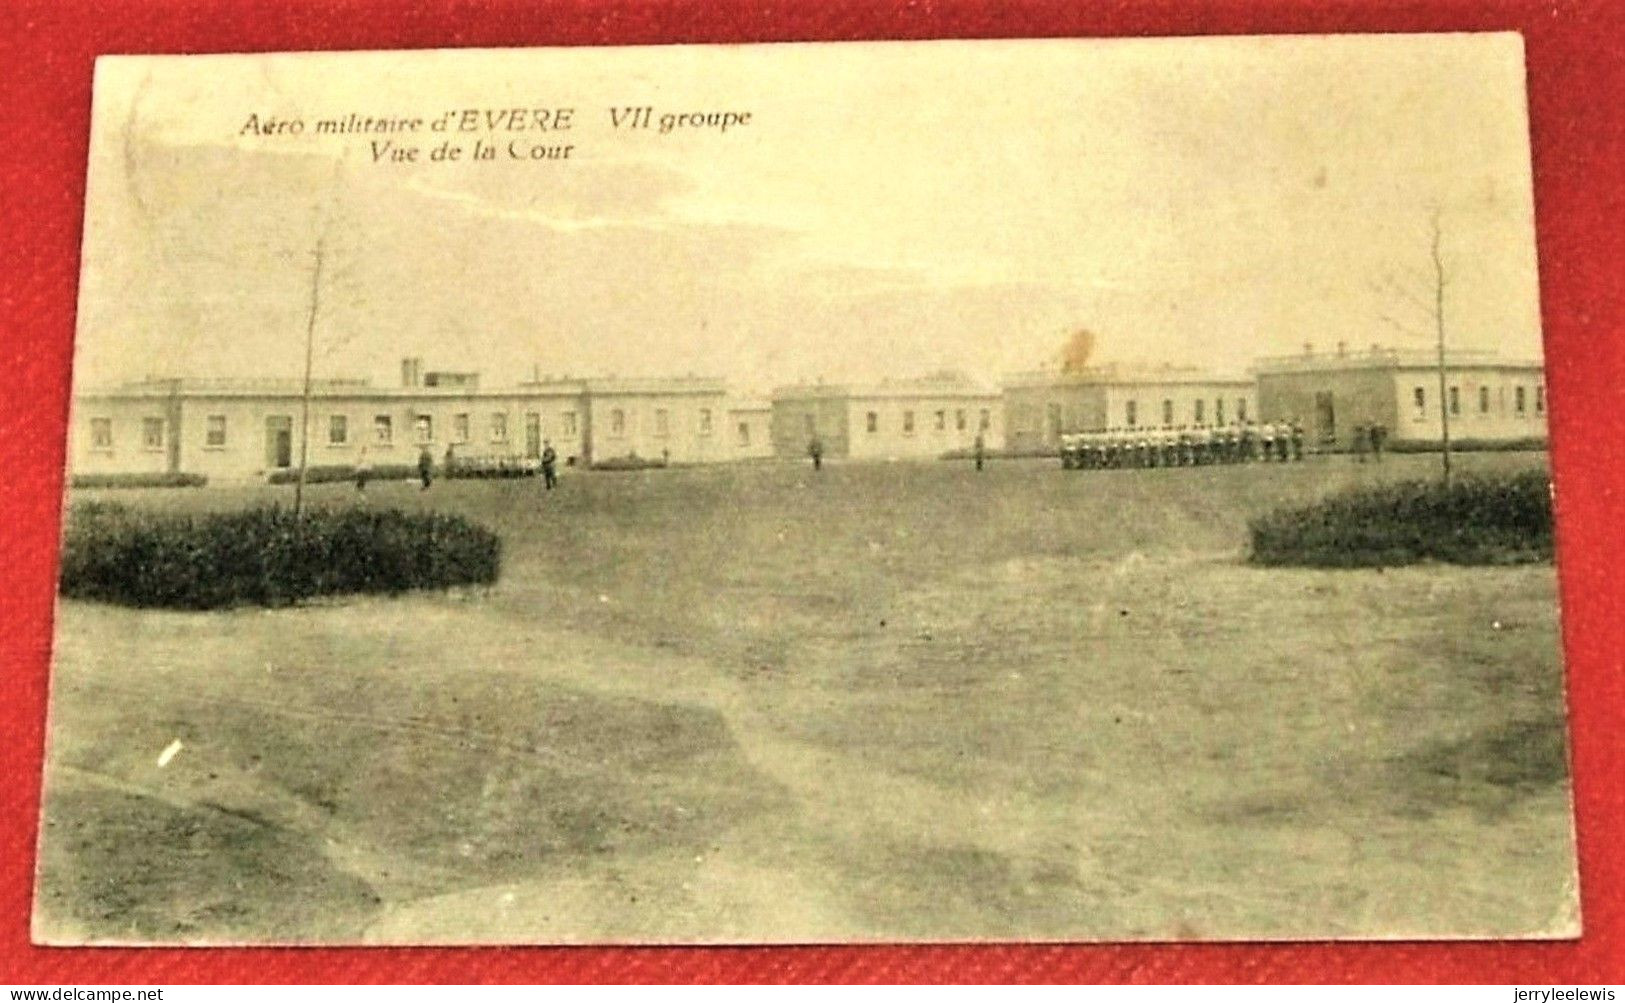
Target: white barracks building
[{"x": 246, "y": 429}]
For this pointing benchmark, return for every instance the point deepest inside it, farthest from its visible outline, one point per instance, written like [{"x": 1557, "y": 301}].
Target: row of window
[
  {"x": 662, "y": 421},
  {"x": 1520, "y": 399},
  {"x": 383, "y": 428},
  {"x": 338, "y": 429},
  {"x": 961, "y": 421},
  {"x": 152, "y": 433},
  {"x": 1199, "y": 413}
]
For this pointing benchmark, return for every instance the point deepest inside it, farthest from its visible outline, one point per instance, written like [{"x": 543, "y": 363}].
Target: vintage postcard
[{"x": 966, "y": 490}]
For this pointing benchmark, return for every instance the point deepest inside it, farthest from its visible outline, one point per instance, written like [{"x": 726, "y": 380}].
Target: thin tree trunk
[
  {"x": 1438, "y": 323},
  {"x": 304, "y": 402}
]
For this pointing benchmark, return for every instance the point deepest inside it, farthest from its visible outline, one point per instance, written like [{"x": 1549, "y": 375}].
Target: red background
[{"x": 1576, "y": 56}]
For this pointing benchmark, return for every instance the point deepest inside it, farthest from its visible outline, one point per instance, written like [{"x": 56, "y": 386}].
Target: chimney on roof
[
  {"x": 1342, "y": 348},
  {"x": 411, "y": 372},
  {"x": 1309, "y": 348},
  {"x": 1376, "y": 348}
]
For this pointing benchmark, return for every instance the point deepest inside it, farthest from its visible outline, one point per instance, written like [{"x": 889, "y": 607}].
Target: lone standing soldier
[
  {"x": 1362, "y": 440},
  {"x": 1297, "y": 441},
  {"x": 425, "y": 467},
  {"x": 550, "y": 462},
  {"x": 363, "y": 470},
  {"x": 1379, "y": 437},
  {"x": 815, "y": 449},
  {"x": 979, "y": 451}
]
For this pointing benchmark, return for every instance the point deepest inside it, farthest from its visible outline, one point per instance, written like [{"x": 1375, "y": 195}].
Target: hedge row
[
  {"x": 1467, "y": 445},
  {"x": 629, "y": 463},
  {"x": 164, "y": 479},
  {"x": 345, "y": 472},
  {"x": 266, "y": 557},
  {"x": 1504, "y": 519}
]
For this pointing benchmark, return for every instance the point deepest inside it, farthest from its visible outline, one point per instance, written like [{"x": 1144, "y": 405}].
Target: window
[
  {"x": 1241, "y": 409},
  {"x": 1131, "y": 413},
  {"x": 1218, "y": 410},
  {"x": 908, "y": 422},
  {"x": 1167, "y": 412},
  {"x": 101, "y": 433},
  {"x": 1419, "y": 399},
  {"x": 617, "y": 422},
  {"x": 1519, "y": 400},
  {"x": 214, "y": 431},
  {"x": 152, "y": 433},
  {"x": 1198, "y": 410},
  {"x": 662, "y": 422},
  {"x": 1483, "y": 400},
  {"x": 460, "y": 428},
  {"x": 1455, "y": 400},
  {"x": 338, "y": 430},
  {"x": 567, "y": 423},
  {"x": 942, "y": 421},
  {"x": 383, "y": 430},
  {"x": 705, "y": 421},
  {"x": 1540, "y": 399},
  {"x": 423, "y": 427},
  {"x": 499, "y": 426},
  {"x": 985, "y": 421},
  {"x": 871, "y": 421},
  {"x": 744, "y": 433}
]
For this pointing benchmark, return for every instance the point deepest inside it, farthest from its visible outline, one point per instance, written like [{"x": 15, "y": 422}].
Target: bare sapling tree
[{"x": 1419, "y": 297}]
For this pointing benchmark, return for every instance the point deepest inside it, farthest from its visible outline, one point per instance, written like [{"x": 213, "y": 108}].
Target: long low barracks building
[{"x": 248, "y": 429}]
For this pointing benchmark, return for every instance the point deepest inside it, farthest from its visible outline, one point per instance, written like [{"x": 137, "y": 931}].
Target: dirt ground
[{"x": 886, "y": 701}]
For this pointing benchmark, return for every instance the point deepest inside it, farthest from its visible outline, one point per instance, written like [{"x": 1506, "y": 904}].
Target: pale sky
[{"x": 891, "y": 209}]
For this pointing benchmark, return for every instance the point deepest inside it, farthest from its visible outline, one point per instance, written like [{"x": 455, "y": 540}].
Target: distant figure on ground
[
  {"x": 425, "y": 468},
  {"x": 451, "y": 458},
  {"x": 979, "y": 451},
  {"x": 363, "y": 470},
  {"x": 550, "y": 460},
  {"x": 815, "y": 449},
  {"x": 1379, "y": 438},
  {"x": 1362, "y": 442},
  {"x": 1297, "y": 441}
]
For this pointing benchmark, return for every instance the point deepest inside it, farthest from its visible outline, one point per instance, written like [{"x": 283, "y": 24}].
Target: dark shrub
[
  {"x": 989, "y": 453},
  {"x": 491, "y": 467},
  {"x": 345, "y": 472},
  {"x": 1504, "y": 519},
  {"x": 154, "y": 480},
  {"x": 264, "y": 557},
  {"x": 1466, "y": 445},
  {"x": 628, "y": 463}
]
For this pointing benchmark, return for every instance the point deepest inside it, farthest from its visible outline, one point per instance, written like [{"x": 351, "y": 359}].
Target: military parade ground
[{"x": 755, "y": 701}]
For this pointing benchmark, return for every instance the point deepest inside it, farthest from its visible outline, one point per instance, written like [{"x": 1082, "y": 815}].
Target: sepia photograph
[{"x": 842, "y": 492}]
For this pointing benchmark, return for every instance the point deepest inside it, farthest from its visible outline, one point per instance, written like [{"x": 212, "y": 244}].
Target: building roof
[
  {"x": 281, "y": 388},
  {"x": 936, "y": 385},
  {"x": 1118, "y": 375},
  {"x": 1379, "y": 357}
]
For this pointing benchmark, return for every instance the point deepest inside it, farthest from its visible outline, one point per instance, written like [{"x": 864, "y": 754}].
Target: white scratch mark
[{"x": 169, "y": 753}]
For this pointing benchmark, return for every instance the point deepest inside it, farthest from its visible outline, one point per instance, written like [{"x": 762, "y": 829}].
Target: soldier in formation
[{"x": 1121, "y": 447}]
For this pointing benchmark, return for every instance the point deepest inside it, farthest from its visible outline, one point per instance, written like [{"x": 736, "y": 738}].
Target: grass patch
[
  {"x": 265, "y": 557},
  {"x": 165, "y": 479},
  {"x": 1503, "y": 519}
]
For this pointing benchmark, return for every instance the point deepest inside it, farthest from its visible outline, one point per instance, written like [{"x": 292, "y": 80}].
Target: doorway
[
  {"x": 1325, "y": 417},
  {"x": 279, "y": 442},
  {"x": 533, "y": 435}
]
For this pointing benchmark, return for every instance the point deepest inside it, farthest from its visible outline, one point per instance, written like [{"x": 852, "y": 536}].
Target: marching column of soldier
[{"x": 1183, "y": 445}]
